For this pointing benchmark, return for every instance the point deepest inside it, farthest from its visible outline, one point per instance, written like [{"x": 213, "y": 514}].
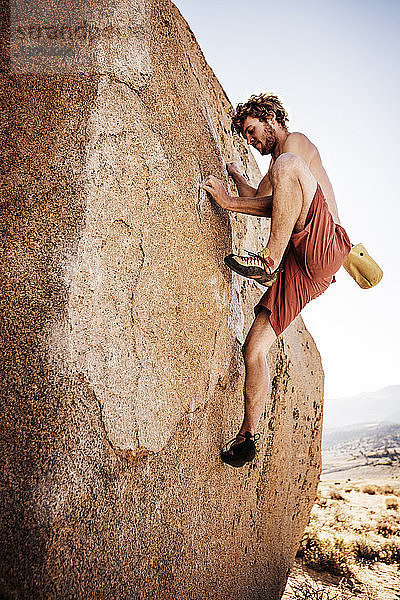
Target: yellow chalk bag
[{"x": 363, "y": 269}]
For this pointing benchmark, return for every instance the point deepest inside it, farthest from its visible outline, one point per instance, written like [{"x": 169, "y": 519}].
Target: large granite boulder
[{"x": 122, "y": 329}]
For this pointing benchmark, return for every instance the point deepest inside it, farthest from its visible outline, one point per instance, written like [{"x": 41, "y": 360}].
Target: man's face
[{"x": 260, "y": 134}]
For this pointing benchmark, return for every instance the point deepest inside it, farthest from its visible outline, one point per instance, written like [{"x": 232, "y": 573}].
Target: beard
[{"x": 269, "y": 142}]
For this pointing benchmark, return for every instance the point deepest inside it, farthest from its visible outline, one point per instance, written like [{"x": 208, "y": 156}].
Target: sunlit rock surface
[{"x": 121, "y": 337}]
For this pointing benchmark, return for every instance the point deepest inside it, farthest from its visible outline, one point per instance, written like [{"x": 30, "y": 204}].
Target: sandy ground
[
  {"x": 377, "y": 582},
  {"x": 357, "y": 513},
  {"x": 362, "y": 472},
  {"x": 302, "y": 578},
  {"x": 341, "y": 463}
]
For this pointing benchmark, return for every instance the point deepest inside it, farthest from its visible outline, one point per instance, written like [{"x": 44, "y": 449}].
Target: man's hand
[
  {"x": 233, "y": 169},
  {"x": 217, "y": 190}
]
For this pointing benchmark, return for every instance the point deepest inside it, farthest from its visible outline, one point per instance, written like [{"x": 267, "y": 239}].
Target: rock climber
[{"x": 306, "y": 246}]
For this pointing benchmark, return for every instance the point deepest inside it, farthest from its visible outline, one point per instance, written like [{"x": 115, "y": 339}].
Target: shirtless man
[{"x": 307, "y": 244}]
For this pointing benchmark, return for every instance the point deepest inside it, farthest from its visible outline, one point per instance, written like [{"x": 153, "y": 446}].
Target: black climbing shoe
[{"x": 238, "y": 455}]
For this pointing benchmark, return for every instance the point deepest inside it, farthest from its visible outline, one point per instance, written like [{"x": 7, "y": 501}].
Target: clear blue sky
[{"x": 334, "y": 64}]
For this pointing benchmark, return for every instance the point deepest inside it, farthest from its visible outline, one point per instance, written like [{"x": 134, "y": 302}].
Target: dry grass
[
  {"x": 392, "y": 503},
  {"x": 390, "y": 489},
  {"x": 304, "y": 584},
  {"x": 323, "y": 551},
  {"x": 336, "y": 495},
  {"x": 370, "y": 489},
  {"x": 351, "y": 530},
  {"x": 380, "y": 489},
  {"x": 305, "y": 590},
  {"x": 388, "y": 526},
  {"x": 377, "y": 550}
]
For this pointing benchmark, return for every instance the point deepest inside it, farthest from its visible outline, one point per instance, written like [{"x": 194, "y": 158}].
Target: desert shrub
[
  {"x": 387, "y": 551},
  {"x": 390, "y": 489},
  {"x": 391, "y": 551},
  {"x": 348, "y": 489},
  {"x": 366, "y": 549},
  {"x": 338, "y": 517},
  {"x": 326, "y": 553},
  {"x": 392, "y": 503},
  {"x": 336, "y": 495},
  {"x": 386, "y": 527},
  {"x": 311, "y": 591},
  {"x": 321, "y": 501},
  {"x": 381, "y": 489},
  {"x": 370, "y": 489}
]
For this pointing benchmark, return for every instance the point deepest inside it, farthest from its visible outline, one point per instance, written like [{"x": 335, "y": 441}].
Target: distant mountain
[
  {"x": 368, "y": 407},
  {"x": 370, "y": 435},
  {"x": 369, "y": 451}
]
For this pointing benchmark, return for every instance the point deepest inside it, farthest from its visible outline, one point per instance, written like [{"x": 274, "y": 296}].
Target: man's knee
[
  {"x": 256, "y": 347},
  {"x": 259, "y": 339},
  {"x": 288, "y": 165},
  {"x": 254, "y": 352}
]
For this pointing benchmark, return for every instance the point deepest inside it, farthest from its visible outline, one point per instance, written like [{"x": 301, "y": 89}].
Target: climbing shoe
[
  {"x": 237, "y": 455},
  {"x": 254, "y": 266}
]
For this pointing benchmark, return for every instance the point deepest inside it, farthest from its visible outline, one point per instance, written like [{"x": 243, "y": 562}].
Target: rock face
[{"x": 122, "y": 333}]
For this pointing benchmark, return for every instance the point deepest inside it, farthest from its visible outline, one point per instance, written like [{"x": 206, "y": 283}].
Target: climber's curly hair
[{"x": 259, "y": 107}]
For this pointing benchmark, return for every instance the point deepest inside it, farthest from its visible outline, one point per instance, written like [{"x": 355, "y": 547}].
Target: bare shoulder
[{"x": 299, "y": 144}]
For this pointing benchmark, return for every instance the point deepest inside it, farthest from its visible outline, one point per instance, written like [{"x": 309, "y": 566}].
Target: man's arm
[{"x": 257, "y": 206}]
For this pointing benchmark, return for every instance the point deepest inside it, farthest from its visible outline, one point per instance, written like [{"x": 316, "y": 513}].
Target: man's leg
[
  {"x": 294, "y": 188},
  {"x": 255, "y": 350},
  {"x": 259, "y": 340}
]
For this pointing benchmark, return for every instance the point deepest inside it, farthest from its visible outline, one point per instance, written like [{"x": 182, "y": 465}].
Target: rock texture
[{"x": 121, "y": 337}]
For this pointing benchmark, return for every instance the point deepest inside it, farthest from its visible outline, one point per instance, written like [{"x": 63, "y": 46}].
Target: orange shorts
[{"x": 311, "y": 259}]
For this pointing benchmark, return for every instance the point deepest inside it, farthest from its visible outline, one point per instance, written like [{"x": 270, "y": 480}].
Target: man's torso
[{"x": 299, "y": 144}]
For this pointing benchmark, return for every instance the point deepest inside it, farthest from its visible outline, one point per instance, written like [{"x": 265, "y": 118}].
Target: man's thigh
[{"x": 288, "y": 295}]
